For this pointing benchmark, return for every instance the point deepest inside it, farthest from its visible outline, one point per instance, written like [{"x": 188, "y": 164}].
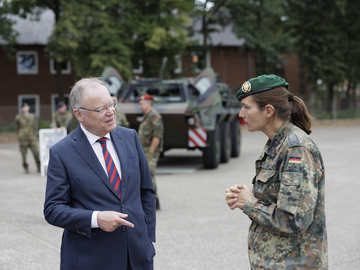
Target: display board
[{"x": 47, "y": 138}]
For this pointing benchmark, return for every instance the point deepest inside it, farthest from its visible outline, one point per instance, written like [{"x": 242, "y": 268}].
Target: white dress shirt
[{"x": 96, "y": 146}]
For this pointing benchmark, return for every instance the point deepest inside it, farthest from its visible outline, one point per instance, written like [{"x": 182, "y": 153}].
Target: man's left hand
[{"x": 110, "y": 220}]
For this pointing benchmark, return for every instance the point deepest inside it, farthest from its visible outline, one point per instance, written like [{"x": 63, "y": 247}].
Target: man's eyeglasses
[{"x": 103, "y": 109}]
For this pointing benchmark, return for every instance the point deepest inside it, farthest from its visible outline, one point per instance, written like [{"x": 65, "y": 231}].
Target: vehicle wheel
[
  {"x": 211, "y": 153},
  {"x": 235, "y": 137},
  {"x": 225, "y": 142}
]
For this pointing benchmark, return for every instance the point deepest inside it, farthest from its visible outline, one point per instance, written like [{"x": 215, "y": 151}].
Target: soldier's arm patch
[
  {"x": 293, "y": 140},
  {"x": 289, "y": 195}
]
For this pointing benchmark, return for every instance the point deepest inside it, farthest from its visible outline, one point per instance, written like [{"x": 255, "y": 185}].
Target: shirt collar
[{"x": 91, "y": 137}]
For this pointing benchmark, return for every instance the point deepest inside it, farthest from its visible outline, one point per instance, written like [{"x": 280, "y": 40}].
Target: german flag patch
[{"x": 294, "y": 160}]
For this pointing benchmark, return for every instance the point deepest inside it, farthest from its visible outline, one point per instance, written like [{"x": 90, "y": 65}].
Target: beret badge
[{"x": 246, "y": 87}]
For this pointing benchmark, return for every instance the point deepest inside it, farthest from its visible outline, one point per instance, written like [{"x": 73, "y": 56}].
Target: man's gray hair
[{"x": 78, "y": 89}]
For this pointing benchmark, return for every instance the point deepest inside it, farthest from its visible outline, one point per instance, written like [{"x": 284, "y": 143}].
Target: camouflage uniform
[
  {"x": 151, "y": 127},
  {"x": 121, "y": 118},
  {"x": 25, "y": 127},
  {"x": 288, "y": 229},
  {"x": 63, "y": 120}
]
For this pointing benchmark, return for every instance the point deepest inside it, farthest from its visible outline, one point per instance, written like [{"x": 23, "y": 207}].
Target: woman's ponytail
[
  {"x": 300, "y": 115},
  {"x": 285, "y": 104}
]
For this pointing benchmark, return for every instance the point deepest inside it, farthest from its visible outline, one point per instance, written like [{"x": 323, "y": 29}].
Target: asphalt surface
[{"x": 195, "y": 228}]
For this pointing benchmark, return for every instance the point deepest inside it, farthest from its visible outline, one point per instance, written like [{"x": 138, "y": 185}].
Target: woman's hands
[{"x": 237, "y": 195}]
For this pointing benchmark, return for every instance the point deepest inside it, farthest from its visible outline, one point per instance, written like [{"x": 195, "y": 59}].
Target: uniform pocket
[
  {"x": 290, "y": 191},
  {"x": 265, "y": 175},
  {"x": 267, "y": 186}
]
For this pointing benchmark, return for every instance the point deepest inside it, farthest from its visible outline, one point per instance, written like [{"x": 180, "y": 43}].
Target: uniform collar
[
  {"x": 272, "y": 147},
  {"x": 149, "y": 113}
]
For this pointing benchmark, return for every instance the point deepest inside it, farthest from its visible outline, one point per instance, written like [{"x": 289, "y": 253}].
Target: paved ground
[{"x": 195, "y": 228}]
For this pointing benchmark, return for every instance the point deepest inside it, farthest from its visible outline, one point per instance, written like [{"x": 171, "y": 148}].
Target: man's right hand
[{"x": 110, "y": 220}]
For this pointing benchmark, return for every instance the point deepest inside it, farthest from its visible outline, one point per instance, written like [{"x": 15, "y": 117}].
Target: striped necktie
[{"x": 110, "y": 167}]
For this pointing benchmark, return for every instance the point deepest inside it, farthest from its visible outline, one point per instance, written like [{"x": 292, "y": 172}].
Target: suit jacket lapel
[
  {"x": 122, "y": 154},
  {"x": 84, "y": 149}
]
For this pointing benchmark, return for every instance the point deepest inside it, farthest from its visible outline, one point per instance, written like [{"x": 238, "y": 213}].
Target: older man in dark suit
[{"x": 99, "y": 188}]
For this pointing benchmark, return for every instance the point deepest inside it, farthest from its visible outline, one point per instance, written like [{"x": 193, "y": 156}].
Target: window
[
  {"x": 178, "y": 61},
  {"x": 138, "y": 67},
  {"x": 27, "y": 62},
  {"x": 65, "y": 67},
  {"x": 55, "y": 101},
  {"x": 32, "y": 100},
  {"x": 201, "y": 60}
]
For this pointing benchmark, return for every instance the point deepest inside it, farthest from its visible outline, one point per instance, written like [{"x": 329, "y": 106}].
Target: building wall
[
  {"x": 291, "y": 73},
  {"x": 232, "y": 65},
  {"x": 13, "y": 84}
]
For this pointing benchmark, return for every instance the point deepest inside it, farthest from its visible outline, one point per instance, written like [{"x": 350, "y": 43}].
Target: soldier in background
[
  {"x": 62, "y": 118},
  {"x": 121, "y": 119},
  {"x": 25, "y": 128},
  {"x": 151, "y": 136}
]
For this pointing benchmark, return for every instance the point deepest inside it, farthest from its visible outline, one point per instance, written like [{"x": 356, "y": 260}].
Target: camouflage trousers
[
  {"x": 152, "y": 160},
  {"x": 26, "y": 143}
]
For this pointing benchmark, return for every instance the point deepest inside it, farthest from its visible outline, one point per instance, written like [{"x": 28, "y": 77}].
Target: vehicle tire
[
  {"x": 235, "y": 137},
  {"x": 211, "y": 153},
  {"x": 225, "y": 142}
]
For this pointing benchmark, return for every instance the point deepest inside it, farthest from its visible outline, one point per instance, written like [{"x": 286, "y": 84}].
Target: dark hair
[{"x": 295, "y": 108}]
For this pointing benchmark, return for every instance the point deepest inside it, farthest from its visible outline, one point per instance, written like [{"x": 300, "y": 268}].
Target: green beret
[{"x": 260, "y": 84}]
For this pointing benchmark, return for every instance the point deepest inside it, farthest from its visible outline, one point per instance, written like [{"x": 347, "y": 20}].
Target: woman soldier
[{"x": 286, "y": 204}]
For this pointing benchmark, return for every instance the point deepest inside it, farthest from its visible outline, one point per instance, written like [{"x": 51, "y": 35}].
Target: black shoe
[{"x": 157, "y": 204}]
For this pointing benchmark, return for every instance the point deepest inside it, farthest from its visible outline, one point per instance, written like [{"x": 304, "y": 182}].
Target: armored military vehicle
[{"x": 198, "y": 113}]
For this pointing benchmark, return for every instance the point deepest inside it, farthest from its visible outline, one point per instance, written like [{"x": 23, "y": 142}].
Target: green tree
[
  {"x": 7, "y": 35},
  {"x": 94, "y": 34},
  {"x": 25, "y": 8},
  {"x": 157, "y": 29},
  {"x": 261, "y": 23},
  {"x": 351, "y": 28},
  {"x": 94, "y": 39},
  {"x": 212, "y": 15},
  {"x": 316, "y": 27}
]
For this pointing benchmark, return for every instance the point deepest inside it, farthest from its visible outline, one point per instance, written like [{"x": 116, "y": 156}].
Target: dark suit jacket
[{"x": 77, "y": 185}]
